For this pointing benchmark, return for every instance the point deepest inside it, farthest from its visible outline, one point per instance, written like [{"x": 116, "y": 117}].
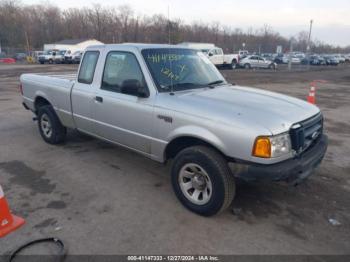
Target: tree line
[{"x": 29, "y": 27}]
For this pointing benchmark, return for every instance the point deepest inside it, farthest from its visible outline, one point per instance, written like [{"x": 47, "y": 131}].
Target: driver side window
[{"x": 121, "y": 73}]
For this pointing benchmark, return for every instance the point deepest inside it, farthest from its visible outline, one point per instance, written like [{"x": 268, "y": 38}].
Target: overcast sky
[{"x": 331, "y": 18}]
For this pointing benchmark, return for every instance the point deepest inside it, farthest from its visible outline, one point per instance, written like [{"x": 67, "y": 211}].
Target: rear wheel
[
  {"x": 50, "y": 127},
  {"x": 202, "y": 180},
  {"x": 247, "y": 66},
  {"x": 50, "y": 61},
  {"x": 233, "y": 64}
]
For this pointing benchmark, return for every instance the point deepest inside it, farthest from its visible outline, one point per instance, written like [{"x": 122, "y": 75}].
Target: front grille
[{"x": 306, "y": 133}]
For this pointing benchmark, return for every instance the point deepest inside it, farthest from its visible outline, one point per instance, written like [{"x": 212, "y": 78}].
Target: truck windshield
[{"x": 181, "y": 69}]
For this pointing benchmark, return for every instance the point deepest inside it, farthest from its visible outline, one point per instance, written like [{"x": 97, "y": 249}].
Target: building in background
[{"x": 72, "y": 45}]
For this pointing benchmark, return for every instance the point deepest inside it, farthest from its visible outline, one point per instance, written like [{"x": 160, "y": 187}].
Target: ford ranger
[{"x": 171, "y": 103}]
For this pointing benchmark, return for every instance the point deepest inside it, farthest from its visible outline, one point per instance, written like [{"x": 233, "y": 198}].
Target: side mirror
[
  {"x": 135, "y": 88},
  {"x": 210, "y": 54}
]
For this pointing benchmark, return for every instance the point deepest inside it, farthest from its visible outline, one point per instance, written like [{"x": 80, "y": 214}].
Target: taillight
[{"x": 21, "y": 88}]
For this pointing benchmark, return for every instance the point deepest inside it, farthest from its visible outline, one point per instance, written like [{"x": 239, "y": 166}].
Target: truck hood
[{"x": 239, "y": 106}]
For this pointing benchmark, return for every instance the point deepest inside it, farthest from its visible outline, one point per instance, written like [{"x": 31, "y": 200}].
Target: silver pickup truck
[{"x": 170, "y": 102}]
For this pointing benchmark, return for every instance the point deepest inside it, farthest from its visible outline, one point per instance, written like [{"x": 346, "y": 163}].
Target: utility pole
[
  {"x": 308, "y": 46},
  {"x": 290, "y": 55},
  {"x": 27, "y": 41}
]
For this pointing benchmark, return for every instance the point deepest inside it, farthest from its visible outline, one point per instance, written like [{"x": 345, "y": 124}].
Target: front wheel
[
  {"x": 272, "y": 66},
  {"x": 233, "y": 64},
  {"x": 247, "y": 66},
  {"x": 202, "y": 180},
  {"x": 50, "y": 127}
]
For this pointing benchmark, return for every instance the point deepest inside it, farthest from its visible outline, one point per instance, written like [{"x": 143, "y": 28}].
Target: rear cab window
[{"x": 88, "y": 66}]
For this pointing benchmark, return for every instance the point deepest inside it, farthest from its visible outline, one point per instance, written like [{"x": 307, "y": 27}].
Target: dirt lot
[{"x": 102, "y": 199}]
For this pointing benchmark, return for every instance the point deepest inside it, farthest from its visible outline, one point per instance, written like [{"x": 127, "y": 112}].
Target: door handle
[{"x": 99, "y": 99}]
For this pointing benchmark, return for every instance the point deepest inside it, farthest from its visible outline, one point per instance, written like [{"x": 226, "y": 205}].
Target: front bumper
[{"x": 292, "y": 170}]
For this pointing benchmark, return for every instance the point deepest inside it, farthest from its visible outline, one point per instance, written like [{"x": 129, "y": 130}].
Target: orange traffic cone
[
  {"x": 311, "y": 97},
  {"x": 8, "y": 222}
]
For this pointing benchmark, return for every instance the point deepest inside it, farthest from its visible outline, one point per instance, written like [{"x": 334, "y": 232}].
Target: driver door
[
  {"x": 262, "y": 62},
  {"x": 254, "y": 62},
  {"x": 122, "y": 116}
]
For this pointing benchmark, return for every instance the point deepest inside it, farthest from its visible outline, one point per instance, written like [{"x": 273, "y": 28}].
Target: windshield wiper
[
  {"x": 188, "y": 85},
  {"x": 215, "y": 82},
  {"x": 182, "y": 85}
]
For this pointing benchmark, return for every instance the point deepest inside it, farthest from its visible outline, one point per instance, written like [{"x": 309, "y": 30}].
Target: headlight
[{"x": 272, "y": 146}]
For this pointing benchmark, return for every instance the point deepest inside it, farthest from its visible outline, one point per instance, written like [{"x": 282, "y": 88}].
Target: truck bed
[
  {"x": 55, "y": 88},
  {"x": 65, "y": 75}
]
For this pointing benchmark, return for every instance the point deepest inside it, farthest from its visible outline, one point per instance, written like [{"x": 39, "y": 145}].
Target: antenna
[
  {"x": 169, "y": 24},
  {"x": 170, "y": 62}
]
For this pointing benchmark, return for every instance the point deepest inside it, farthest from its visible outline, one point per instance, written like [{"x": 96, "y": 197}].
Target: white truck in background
[
  {"x": 215, "y": 54},
  {"x": 52, "y": 57}
]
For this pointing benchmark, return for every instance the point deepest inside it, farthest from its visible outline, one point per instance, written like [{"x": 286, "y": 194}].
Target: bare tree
[{"x": 33, "y": 25}]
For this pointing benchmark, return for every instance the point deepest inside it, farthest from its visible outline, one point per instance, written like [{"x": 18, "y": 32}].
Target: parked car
[
  {"x": 339, "y": 57},
  {"x": 268, "y": 56},
  {"x": 72, "y": 58},
  {"x": 314, "y": 60},
  {"x": 218, "y": 58},
  {"x": 20, "y": 56},
  {"x": 331, "y": 60},
  {"x": 243, "y": 53},
  {"x": 298, "y": 54},
  {"x": 255, "y": 61},
  {"x": 320, "y": 60},
  {"x": 77, "y": 57},
  {"x": 52, "y": 56},
  {"x": 281, "y": 59},
  {"x": 60, "y": 56},
  {"x": 347, "y": 58},
  {"x": 168, "y": 102},
  {"x": 295, "y": 60}
]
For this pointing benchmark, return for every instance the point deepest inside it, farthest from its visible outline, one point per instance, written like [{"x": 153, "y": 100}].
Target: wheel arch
[
  {"x": 183, "y": 141},
  {"x": 40, "y": 100}
]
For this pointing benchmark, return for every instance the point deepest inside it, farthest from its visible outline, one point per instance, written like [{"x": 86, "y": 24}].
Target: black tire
[
  {"x": 272, "y": 66},
  {"x": 247, "y": 66},
  {"x": 50, "y": 61},
  {"x": 42, "y": 62},
  {"x": 233, "y": 64},
  {"x": 221, "y": 178},
  {"x": 58, "y": 132}
]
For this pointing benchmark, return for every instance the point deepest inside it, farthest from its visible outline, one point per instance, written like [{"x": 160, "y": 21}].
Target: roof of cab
[{"x": 139, "y": 46}]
